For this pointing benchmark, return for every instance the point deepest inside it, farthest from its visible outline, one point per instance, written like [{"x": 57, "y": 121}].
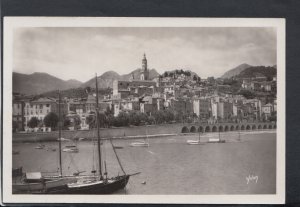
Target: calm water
[{"x": 169, "y": 165}]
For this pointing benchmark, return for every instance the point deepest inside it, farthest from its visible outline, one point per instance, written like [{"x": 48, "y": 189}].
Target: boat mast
[
  {"x": 98, "y": 131},
  {"x": 199, "y": 133},
  {"x": 59, "y": 133}
]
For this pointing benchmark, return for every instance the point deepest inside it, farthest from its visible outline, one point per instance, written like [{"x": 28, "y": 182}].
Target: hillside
[
  {"x": 269, "y": 72},
  {"x": 104, "y": 81},
  {"x": 37, "y": 83},
  {"x": 235, "y": 71},
  {"x": 107, "y": 78}
]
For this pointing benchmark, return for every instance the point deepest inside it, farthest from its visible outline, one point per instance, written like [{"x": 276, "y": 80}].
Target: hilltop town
[{"x": 177, "y": 96}]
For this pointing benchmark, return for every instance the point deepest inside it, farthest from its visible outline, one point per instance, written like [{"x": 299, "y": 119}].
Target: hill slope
[
  {"x": 107, "y": 78},
  {"x": 235, "y": 71},
  {"x": 269, "y": 72},
  {"x": 37, "y": 83}
]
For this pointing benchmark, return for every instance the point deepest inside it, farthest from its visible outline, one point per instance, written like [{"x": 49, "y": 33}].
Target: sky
[{"x": 79, "y": 53}]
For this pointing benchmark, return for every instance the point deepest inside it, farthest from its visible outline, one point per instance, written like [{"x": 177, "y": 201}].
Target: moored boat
[
  {"x": 70, "y": 148},
  {"x": 195, "y": 142},
  {"x": 139, "y": 144}
]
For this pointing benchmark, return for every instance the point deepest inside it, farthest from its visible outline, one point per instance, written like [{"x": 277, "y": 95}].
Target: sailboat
[
  {"x": 216, "y": 140},
  {"x": 36, "y": 183},
  {"x": 100, "y": 183},
  {"x": 144, "y": 143},
  {"x": 195, "y": 142}
]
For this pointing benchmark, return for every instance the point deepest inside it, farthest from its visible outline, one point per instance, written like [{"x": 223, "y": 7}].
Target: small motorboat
[
  {"x": 139, "y": 144},
  {"x": 40, "y": 146},
  {"x": 194, "y": 142},
  {"x": 70, "y": 148},
  {"x": 215, "y": 140},
  {"x": 63, "y": 139}
]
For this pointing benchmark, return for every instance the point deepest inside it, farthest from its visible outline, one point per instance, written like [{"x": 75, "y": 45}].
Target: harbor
[{"x": 212, "y": 168}]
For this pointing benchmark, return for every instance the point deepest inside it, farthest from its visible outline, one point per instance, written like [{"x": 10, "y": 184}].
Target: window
[
  {"x": 47, "y": 105},
  {"x": 41, "y": 106}
]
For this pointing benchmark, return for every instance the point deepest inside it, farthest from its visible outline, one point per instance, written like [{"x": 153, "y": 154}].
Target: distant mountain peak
[{"x": 235, "y": 71}]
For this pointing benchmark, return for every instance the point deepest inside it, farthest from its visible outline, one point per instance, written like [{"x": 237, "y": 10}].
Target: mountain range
[{"x": 37, "y": 83}]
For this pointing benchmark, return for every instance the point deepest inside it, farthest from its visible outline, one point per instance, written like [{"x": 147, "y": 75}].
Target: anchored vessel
[
  {"x": 195, "y": 142},
  {"x": 144, "y": 143}
]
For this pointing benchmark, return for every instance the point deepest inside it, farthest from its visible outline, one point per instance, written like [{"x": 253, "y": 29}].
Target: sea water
[{"x": 245, "y": 164}]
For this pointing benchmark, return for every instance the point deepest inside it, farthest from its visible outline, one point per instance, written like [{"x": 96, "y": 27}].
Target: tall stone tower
[{"x": 144, "y": 72}]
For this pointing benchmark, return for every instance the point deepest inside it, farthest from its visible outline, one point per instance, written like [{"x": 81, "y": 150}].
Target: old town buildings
[{"x": 181, "y": 92}]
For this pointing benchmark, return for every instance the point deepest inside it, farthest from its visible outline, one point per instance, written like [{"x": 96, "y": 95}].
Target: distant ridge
[
  {"x": 235, "y": 71},
  {"x": 267, "y": 71},
  {"x": 37, "y": 83},
  {"x": 106, "y": 79}
]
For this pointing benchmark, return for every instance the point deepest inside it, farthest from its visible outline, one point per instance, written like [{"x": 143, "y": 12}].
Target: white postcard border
[{"x": 10, "y": 23}]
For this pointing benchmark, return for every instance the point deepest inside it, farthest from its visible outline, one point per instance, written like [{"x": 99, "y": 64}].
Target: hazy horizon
[{"x": 207, "y": 51}]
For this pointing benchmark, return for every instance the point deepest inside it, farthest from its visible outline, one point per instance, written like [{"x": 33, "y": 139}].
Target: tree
[
  {"x": 195, "y": 78},
  {"x": 102, "y": 120},
  {"x": 247, "y": 94},
  {"x": 110, "y": 120},
  {"x": 159, "y": 117},
  {"x": 123, "y": 119},
  {"x": 67, "y": 122},
  {"x": 33, "y": 122},
  {"x": 273, "y": 116},
  {"x": 168, "y": 115},
  {"x": 151, "y": 120},
  {"x": 91, "y": 120},
  {"x": 51, "y": 120}
]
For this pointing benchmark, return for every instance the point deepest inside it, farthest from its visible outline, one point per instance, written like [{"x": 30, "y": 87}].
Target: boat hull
[
  {"x": 40, "y": 187},
  {"x": 93, "y": 188},
  {"x": 139, "y": 144},
  {"x": 195, "y": 142}
]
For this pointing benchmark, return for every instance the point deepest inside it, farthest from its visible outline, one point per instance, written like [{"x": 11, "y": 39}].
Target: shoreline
[{"x": 44, "y": 138}]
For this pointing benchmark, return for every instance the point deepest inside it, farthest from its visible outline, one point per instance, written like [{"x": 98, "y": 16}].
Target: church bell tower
[{"x": 145, "y": 72}]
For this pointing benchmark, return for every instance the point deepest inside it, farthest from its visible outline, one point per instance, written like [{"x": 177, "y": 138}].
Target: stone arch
[
  {"x": 221, "y": 128},
  {"x": 259, "y": 127},
  {"x": 253, "y": 127},
  {"x": 207, "y": 129},
  {"x": 265, "y": 126},
  {"x": 270, "y": 126},
  {"x": 200, "y": 129},
  {"x": 185, "y": 130},
  {"x": 248, "y": 127},
  {"x": 214, "y": 129},
  {"x": 232, "y": 128},
  {"x": 193, "y": 129},
  {"x": 237, "y": 127},
  {"x": 226, "y": 128},
  {"x": 242, "y": 127}
]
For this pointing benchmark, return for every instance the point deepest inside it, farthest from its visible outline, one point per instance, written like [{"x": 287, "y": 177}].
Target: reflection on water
[{"x": 169, "y": 165}]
